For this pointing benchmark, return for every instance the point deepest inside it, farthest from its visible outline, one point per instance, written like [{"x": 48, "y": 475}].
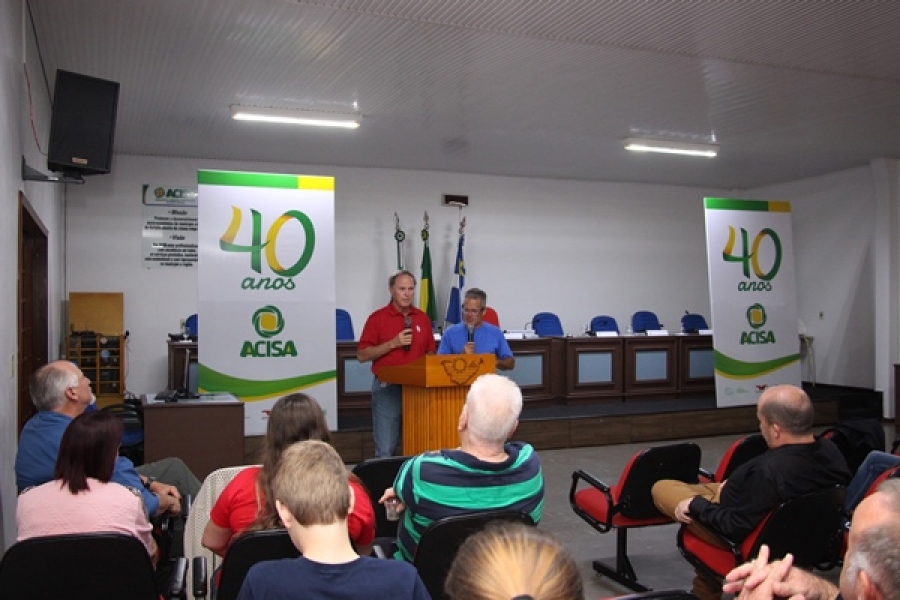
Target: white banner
[
  {"x": 266, "y": 284},
  {"x": 753, "y": 295}
]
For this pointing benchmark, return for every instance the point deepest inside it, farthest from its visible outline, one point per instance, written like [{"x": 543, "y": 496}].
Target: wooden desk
[{"x": 205, "y": 434}]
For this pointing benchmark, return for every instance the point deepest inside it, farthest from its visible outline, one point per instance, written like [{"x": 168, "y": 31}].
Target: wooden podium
[{"x": 434, "y": 392}]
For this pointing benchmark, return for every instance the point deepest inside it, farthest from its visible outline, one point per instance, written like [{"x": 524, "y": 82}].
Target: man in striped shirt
[{"x": 485, "y": 473}]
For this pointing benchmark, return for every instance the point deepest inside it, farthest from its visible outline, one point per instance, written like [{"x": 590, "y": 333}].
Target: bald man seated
[{"x": 795, "y": 464}]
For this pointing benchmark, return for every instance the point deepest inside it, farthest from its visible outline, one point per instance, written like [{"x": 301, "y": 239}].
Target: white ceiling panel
[{"x": 789, "y": 89}]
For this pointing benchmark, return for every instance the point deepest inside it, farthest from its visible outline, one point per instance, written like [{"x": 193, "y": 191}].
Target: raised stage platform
[{"x": 568, "y": 426}]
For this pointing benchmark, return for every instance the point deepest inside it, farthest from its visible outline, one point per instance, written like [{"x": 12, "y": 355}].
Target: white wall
[
  {"x": 16, "y": 140},
  {"x": 833, "y": 240},
  {"x": 575, "y": 248}
]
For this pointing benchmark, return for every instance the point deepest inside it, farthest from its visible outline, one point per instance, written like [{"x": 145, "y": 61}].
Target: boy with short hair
[{"x": 313, "y": 499}]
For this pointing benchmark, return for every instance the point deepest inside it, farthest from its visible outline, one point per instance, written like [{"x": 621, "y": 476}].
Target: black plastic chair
[
  {"x": 378, "y": 474},
  {"x": 741, "y": 450},
  {"x": 443, "y": 538},
  {"x": 809, "y": 527},
  {"x": 132, "y": 446},
  {"x": 628, "y": 504},
  {"x": 84, "y": 566},
  {"x": 248, "y": 549}
]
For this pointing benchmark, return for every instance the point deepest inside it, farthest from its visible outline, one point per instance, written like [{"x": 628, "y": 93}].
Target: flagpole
[
  {"x": 399, "y": 236},
  {"x": 454, "y": 306}
]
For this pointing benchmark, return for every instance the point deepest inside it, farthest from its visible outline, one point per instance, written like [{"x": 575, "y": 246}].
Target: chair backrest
[
  {"x": 344, "y": 326},
  {"x": 378, "y": 474},
  {"x": 547, "y": 324},
  {"x": 198, "y": 516},
  {"x": 742, "y": 450},
  {"x": 674, "y": 461},
  {"x": 692, "y": 323},
  {"x": 805, "y": 526},
  {"x": 855, "y": 438},
  {"x": 443, "y": 538},
  {"x": 95, "y": 565},
  {"x": 643, "y": 320},
  {"x": 604, "y": 323},
  {"x": 132, "y": 421},
  {"x": 248, "y": 549},
  {"x": 191, "y": 325},
  {"x": 490, "y": 316},
  {"x": 888, "y": 474}
]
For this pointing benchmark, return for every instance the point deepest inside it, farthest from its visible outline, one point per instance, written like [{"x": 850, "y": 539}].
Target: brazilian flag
[{"x": 426, "y": 285}]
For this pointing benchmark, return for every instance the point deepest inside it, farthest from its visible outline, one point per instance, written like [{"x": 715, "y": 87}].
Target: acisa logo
[
  {"x": 750, "y": 258},
  {"x": 268, "y": 322},
  {"x": 258, "y": 246},
  {"x": 756, "y": 317}
]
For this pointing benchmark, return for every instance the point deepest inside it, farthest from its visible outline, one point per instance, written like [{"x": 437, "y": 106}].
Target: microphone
[
  {"x": 407, "y": 324},
  {"x": 471, "y": 330}
]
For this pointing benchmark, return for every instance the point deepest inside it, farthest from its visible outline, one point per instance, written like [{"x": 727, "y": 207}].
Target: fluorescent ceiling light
[
  {"x": 295, "y": 116},
  {"x": 671, "y": 147}
]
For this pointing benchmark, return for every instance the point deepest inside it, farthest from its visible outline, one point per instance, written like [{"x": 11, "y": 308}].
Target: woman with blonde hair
[
  {"x": 509, "y": 561},
  {"x": 246, "y": 501}
]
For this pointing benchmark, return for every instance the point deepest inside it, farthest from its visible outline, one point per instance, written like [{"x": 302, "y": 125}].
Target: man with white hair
[
  {"x": 61, "y": 392},
  {"x": 486, "y": 472},
  {"x": 871, "y": 566}
]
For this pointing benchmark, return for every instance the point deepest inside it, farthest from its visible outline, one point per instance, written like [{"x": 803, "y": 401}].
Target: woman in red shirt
[{"x": 243, "y": 503}]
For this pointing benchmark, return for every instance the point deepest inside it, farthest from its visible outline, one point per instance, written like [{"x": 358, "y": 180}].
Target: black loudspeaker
[{"x": 83, "y": 124}]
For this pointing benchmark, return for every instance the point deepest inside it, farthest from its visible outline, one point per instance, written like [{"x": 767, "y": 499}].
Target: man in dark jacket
[{"x": 795, "y": 464}]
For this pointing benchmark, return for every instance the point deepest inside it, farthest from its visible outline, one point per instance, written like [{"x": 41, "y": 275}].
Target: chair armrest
[
  {"x": 179, "y": 576},
  {"x": 378, "y": 551},
  {"x": 706, "y": 474},
  {"x": 601, "y": 487},
  {"x": 199, "y": 579}
]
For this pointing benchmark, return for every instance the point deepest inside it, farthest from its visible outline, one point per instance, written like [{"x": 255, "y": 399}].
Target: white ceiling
[{"x": 788, "y": 88}]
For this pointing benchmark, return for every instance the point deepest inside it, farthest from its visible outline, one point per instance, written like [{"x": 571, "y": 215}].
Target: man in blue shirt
[
  {"x": 474, "y": 336},
  {"x": 61, "y": 392}
]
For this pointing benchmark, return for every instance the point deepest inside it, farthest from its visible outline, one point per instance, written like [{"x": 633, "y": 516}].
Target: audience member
[
  {"x": 872, "y": 467},
  {"x": 247, "y": 498},
  {"x": 474, "y": 336},
  {"x": 313, "y": 498},
  {"x": 395, "y": 334},
  {"x": 61, "y": 392},
  {"x": 486, "y": 472},
  {"x": 512, "y": 560},
  {"x": 795, "y": 464},
  {"x": 871, "y": 566},
  {"x": 81, "y": 498}
]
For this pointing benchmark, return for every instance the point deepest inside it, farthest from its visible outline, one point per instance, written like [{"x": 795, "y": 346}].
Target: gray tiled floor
[{"x": 652, "y": 550}]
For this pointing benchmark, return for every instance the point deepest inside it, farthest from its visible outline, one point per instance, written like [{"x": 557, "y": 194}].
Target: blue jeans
[
  {"x": 875, "y": 464},
  {"x": 387, "y": 414}
]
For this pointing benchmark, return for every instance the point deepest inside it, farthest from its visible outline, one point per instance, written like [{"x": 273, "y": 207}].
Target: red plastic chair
[
  {"x": 741, "y": 451},
  {"x": 628, "y": 504},
  {"x": 490, "y": 316},
  {"x": 808, "y": 527}
]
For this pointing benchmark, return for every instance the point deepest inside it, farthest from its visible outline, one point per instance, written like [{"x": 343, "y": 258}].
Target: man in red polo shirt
[{"x": 395, "y": 334}]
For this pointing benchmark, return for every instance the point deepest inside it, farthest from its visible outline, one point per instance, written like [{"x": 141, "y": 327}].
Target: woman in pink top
[
  {"x": 81, "y": 498},
  {"x": 242, "y": 504}
]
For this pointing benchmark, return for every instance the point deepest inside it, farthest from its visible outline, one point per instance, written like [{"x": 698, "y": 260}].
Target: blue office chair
[
  {"x": 191, "y": 325},
  {"x": 546, "y": 324},
  {"x": 692, "y": 323},
  {"x": 643, "y": 320},
  {"x": 344, "y": 326},
  {"x": 604, "y": 323}
]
